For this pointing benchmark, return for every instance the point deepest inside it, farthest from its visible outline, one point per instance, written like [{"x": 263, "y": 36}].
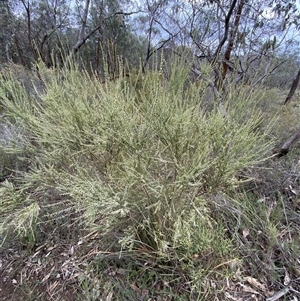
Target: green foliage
[{"x": 132, "y": 159}]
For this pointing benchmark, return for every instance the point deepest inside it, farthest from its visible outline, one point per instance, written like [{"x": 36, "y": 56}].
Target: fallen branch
[{"x": 287, "y": 145}]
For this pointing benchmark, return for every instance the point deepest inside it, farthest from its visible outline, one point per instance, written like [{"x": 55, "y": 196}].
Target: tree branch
[
  {"x": 227, "y": 24},
  {"x": 81, "y": 41}
]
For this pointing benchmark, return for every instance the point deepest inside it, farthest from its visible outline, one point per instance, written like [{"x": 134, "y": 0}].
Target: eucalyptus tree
[
  {"x": 161, "y": 23},
  {"x": 38, "y": 29},
  {"x": 48, "y": 30},
  {"x": 106, "y": 34},
  {"x": 9, "y": 27},
  {"x": 112, "y": 36},
  {"x": 243, "y": 40},
  {"x": 243, "y": 36}
]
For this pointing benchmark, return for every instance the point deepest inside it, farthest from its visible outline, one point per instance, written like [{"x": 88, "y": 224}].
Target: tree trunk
[
  {"x": 293, "y": 88},
  {"x": 226, "y": 31},
  {"x": 232, "y": 39},
  {"x": 29, "y": 28},
  {"x": 81, "y": 40},
  {"x": 230, "y": 36}
]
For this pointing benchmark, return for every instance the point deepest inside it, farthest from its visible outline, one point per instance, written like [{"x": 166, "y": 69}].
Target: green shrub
[{"x": 135, "y": 160}]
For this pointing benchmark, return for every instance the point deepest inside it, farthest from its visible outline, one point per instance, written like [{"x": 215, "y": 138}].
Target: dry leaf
[
  {"x": 246, "y": 232},
  {"x": 135, "y": 288},
  {"x": 51, "y": 248},
  {"x": 269, "y": 293},
  {"x": 292, "y": 190},
  {"x": 40, "y": 247},
  {"x": 254, "y": 282},
  {"x": 278, "y": 294},
  {"x": 249, "y": 289},
  {"x": 48, "y": 275},
  {"x": 35, "y": 254},
  {"x": 287, "y": 279},
  {"x": 229, "y": 297}
]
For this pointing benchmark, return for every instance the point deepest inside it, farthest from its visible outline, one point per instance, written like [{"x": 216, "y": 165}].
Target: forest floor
[{"x": 55, "y": 273}]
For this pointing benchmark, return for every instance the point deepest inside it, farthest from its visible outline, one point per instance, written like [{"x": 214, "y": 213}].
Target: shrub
[{"x": 135, "y": 160}]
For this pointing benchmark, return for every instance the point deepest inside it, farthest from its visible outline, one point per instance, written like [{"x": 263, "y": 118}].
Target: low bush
[{"x": 137, "y": 160}]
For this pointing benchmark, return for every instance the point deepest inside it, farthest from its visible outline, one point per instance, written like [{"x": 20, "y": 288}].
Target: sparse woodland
[{"x": 149, "y": 150}]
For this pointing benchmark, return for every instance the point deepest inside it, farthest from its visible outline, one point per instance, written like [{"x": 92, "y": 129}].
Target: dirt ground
[{"x": 25, "y": 279}]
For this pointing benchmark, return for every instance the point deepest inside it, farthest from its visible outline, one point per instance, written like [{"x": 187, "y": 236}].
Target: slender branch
[{"x": 268, "y": 72}]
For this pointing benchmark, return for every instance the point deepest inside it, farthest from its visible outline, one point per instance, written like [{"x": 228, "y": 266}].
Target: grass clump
[{"x": 136, "y": 161}]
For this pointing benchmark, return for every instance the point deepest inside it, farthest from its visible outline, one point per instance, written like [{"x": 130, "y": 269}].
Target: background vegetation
[{"x": 139, "y": 151}]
